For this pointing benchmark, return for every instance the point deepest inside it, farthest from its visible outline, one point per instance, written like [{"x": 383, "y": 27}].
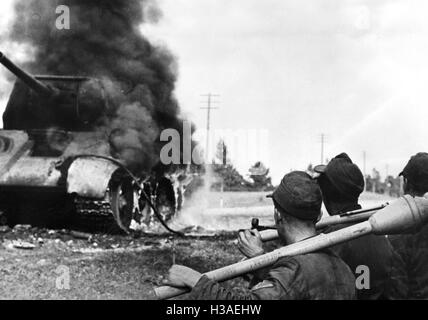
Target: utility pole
[
  {"x": 322, "y": 147},
  {"x": 364, "y": 162},
  {"x": 209, "y": 107}
]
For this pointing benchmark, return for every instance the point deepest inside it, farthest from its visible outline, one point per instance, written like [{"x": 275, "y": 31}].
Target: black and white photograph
[{"x": 189, "y": 150}]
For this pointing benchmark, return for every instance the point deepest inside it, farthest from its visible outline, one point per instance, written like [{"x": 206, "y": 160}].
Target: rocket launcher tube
[
  {"x": 25, "y": 77},
  {"x": 268, "y": 235},
  {"x": 404, "y": 215}
]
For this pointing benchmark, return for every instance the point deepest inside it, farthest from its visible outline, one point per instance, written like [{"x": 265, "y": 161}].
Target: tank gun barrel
[{"x": 25, "y": 77}]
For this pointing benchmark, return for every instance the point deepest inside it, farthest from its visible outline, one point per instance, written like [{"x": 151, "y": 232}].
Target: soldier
[
  {"x": 317, "y": 275},
  {"x": 341, "y": 183},
  {"x": 413, "y": 248}
]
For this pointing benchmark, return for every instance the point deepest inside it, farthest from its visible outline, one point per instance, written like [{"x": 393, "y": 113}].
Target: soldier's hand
[
  {"x": 181, "y": 276},
  {"x": 250, "y": 243}
]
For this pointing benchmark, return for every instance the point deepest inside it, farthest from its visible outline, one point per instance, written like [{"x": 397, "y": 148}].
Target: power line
[{"x": 209, "y": 107}]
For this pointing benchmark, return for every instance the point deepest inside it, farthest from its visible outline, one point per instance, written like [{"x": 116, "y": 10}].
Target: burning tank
[{"x": 44, "y": 181}]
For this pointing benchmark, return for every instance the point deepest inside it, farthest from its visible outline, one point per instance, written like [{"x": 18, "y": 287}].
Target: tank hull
[
  {"x": 55, "y": 149},
  {"x": 58, "y": 191}
]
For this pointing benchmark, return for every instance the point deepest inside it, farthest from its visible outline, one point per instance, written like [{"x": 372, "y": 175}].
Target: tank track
[{"x": 95, "y": 215}]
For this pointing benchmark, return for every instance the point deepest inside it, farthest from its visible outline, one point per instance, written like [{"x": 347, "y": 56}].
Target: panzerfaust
[
  {"x": 269, "y": 233},
  {"x": 405, "y": 215},
  {"x": 56, "y": 170}
]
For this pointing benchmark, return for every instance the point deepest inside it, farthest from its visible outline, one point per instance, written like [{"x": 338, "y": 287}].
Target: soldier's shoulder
[
  {"x": 289, "y": 262},
  {"x": 305, "y": 259}
]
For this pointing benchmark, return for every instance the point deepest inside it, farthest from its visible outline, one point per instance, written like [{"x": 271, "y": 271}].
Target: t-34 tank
[{"x": 42, "y": 179}]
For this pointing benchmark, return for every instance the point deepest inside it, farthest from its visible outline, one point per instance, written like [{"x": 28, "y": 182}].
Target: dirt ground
[{"x": 102, "y": 267}]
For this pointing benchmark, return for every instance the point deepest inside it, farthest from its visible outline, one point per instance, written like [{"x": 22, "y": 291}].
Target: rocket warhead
[{"x": 405, "y": 215}]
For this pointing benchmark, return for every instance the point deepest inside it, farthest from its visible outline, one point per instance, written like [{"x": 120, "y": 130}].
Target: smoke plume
[{"x": 104, "y": 41}]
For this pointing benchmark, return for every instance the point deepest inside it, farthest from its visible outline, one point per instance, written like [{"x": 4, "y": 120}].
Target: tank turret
[
  {"x": 47, "y": 101},
  {"x": 28, "y": 79}
]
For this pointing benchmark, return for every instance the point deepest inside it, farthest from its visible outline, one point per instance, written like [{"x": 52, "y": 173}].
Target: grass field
[
  {"x": 234, "y": 210},
  {"x": 129, "y": 271},
  {"x": 256, "y": 199}
]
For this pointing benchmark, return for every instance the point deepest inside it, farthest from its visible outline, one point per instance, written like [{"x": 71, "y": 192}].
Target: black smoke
[{"x": 105, "y": 41}]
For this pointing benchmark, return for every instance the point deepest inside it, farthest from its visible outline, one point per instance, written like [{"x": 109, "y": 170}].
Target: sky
[{"x": 288, "y": 71}]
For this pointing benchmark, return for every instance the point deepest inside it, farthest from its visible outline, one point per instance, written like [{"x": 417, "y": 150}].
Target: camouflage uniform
[{"x": 412, "y": 249}]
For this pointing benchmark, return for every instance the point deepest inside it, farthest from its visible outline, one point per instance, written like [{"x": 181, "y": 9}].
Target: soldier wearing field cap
[
  {"x": 413, "y": 248},
  {"x": 341, "y": 183},
  {"x": 317, "y": 275}
]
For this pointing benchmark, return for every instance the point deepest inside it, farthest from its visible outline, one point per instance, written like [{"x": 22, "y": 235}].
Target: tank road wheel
[{"x": 122, "y": 203}]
